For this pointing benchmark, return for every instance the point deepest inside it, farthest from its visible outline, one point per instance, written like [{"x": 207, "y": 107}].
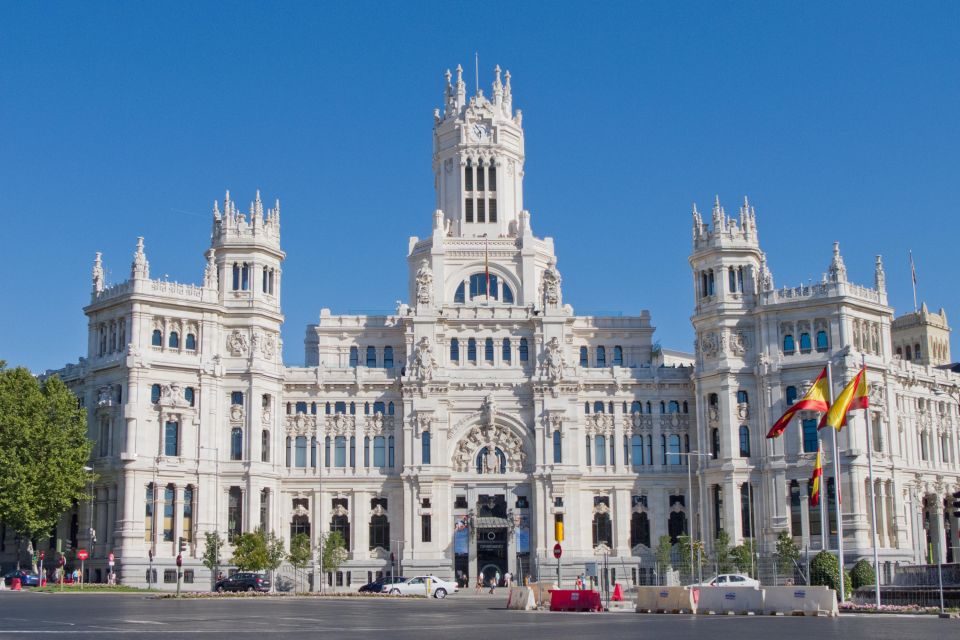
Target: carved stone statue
[
  {"x": 210, "y": 273},
  {"x": 98, "y": 273},
  {"x": 488, "y": 410},
  {"x": 237, "y": 343},
  {"x": 424, "y": 283},
  {"x": 555, "y": 360},
  {"x": 424, "y": 363},
  {"x": 550, "y": 285},
  {"x": 491, "y": 464}
]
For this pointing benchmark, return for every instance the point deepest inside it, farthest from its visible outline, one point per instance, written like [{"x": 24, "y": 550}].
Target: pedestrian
[
  {"x": 479, "y": 587},
  {"x": 507, "y": 577},
  {"x": 493, "y": 582},
  {"x": 497, "y": 576}
]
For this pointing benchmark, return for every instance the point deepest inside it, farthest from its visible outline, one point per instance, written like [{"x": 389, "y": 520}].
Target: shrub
[
  {"x": 862, "y": 574},
  {"x": 825, "y": 570}
]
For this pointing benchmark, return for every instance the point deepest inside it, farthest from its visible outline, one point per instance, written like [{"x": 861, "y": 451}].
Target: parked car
[
  {"x": 27, "y": 578},
  {"x": 243, "y": 582},
  {"x": 731, "y": 580},
  {"x": 382, "y": 585},
  {"x": 418, "y": 586}
]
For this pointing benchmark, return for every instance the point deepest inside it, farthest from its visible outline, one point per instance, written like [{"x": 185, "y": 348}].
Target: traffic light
[
  {"x": 182, "y": 544},
  {"x": 558, "y": 528},
  {"x": 956, "y": 504}
]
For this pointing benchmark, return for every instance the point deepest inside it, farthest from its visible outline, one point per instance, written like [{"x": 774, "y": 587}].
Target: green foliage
[
  {"x": 742, "y": 556},
  {"x": 664, "y": 547},
  {"x": 862, "y": 574},
  {"x": 43, "y": 452},
  {"x": 333, "y": 551},
  {"x": 788, "y": 551},
  {"x": 212, "y": 551},
  {"x": 683, "y": 545},
  {"x": 250, "y": 551},
  {"x": 825, "y": 570},
  {"x": 276, "y": 552},
  {"x": 721, "y": 552},
  {"x": 300, "y": 553}
]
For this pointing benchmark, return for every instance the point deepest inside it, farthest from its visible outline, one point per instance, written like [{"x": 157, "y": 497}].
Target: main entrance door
[{"x": 491, "y": 553}]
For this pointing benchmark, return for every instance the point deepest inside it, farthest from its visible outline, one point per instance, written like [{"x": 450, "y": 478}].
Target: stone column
[
  {"x": 177, "y": 517},
  {"x": 804, "y": 518},
  {"x": 937, "y": 533},
  {"x": 622, "y": 512}
]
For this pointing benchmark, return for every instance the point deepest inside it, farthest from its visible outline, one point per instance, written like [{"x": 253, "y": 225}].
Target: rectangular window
[
  {"x": 480, "y": 180},
  {"x": 493, "y": 179},
  {"x": 468, "y": 209},
  {"x": 425, "y": 528},
  {"x": 481, "y": 212},
  {"x": 188, "y": 576},
  {"x": 170, "y": 438},
  {"x": 493, "y": 209},
  {"x": 810, "y": 435},
  {"x": 169, "y": 576},
  {"x": 468, "y": 178}
]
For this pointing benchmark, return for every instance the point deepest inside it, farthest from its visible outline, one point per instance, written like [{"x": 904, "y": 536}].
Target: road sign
[
  {"x": 179, "y": 560},
  {"x": 557, "y": 551},
  {"x": 110, "y": 559},
  {"x": 42, "y": 555},
  {"x": 82, "y": 554}
]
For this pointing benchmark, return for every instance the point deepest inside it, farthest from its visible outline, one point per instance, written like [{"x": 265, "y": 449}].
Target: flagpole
[
  {"x": 836, "y": 489},
  {"x": 824, "y": 521},
  {"x": 873, "y": 497},
  {"x": 913, "y": 280}
]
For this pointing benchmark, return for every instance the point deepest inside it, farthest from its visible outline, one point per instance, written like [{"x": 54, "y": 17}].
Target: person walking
[
  {"x": 493, "y": 583},
  {"x": 479, "y": 584},
  {"x": 507, "y": 578},
  {"x": 497, "y": 576}
]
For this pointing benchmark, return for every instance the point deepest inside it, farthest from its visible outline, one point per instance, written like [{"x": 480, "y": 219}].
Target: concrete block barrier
[
  {"x": 810, "y": 601},
  {"x": 521, "y": 599},
  {"x": 725, "y": 600},
  {"x": 666, "y": 600}
]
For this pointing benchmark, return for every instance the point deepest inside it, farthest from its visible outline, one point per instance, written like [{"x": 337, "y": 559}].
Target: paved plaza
[{"x": 461, "y": 617}]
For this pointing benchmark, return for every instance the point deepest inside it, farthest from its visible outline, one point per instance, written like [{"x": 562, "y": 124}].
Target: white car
[
  {"x": 417, "y": 586},
  {"x": 731, "y": 580}
]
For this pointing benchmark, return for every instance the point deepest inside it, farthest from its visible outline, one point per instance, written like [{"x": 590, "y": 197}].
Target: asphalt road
[{"x": 459, "y": 617}]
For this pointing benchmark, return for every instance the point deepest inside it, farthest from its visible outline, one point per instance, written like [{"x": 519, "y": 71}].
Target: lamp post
[
  {"x": 216, "y": 514},
  {"x": 690, "y": 508}
]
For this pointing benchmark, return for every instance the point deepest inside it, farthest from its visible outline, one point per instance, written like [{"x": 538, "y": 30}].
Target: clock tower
[{"x": 478, "y": 159}]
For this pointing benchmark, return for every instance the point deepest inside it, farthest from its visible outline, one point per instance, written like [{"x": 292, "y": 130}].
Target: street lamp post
[
  {"x": 690, "y": 508},
  {"x": 216, "y": 514}
]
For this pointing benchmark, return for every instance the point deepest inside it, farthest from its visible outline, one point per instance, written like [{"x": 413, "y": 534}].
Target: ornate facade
[{"x": 457, "y": 432}]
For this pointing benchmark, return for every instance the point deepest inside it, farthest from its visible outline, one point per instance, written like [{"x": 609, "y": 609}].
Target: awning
[{"x": 491, "y": 522}]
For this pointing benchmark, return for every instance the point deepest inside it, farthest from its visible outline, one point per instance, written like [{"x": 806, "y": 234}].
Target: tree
[
  {"x": 300, "y": 554},
  {"x": 276, "y": 553},
  {"x": 825, "y": 570},
  {"x": 721, "y": 552},
  {"x": 664, "y": 549},
  {"x": 683, "y": 544},
  {"x": 212, "y": 550},
  {"x": 44, "y": 451},
  {"x": 250, "y": 551},
  {"x": 862, "y": 574},
  {"x": 788, "y": 553},
  {"x": 742, "y": 556},
  {"x": 333, "y": 551}
]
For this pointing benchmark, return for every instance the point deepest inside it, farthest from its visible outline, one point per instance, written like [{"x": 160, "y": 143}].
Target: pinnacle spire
[
  {"x": 98, "y": 273},
  {"x": 140, "y": 269}
]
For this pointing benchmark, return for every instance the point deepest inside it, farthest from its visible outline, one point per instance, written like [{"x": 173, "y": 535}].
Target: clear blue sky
[{"x": 120, "y": 119}]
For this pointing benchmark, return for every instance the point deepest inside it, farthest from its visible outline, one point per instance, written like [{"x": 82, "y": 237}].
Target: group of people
[{"x": 493, "y": 582}]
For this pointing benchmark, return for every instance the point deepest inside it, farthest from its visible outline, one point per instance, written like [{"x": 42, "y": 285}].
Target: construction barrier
[
  {"x": 666, "y": 600},
  {"x": 575, "y": 600},
  {"x": 15, "y": 584},
  {"x": 810, "y": 601},
  {"x": 521, "y": 599},
  {"x": 741, "y": 600},
  {"x": 541, "y": 592},
  {"x": 617, "y": 593}
]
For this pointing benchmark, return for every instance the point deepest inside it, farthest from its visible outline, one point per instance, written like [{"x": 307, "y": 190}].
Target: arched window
[
  {"x": 586, "y": 407},
  {"x": 805, "y": 342},
  {"x": 686, "y": 407},
  {"x": 639, "y": 530},
  {"x": 478, "y": 285},
  {"x": 488, "y": 349},
  {"x": 471, "y": 350},
  {"x": 909, "y": 353},
  {"x": 598, "y": 406},
  {"x": 236, "y": 397},
  {"x": 584, "y": 357},
  {"x": 390, "y": 409},
  {"x": 169, "y": 492},
  {"x": 788, "y": 345},
  {"x": 300, "y": 452},
  {"x": 245, "y": 276},
  {"x": 425, "y": 447},
  {"x": 148, "y": 514},
  {"x": 600, "y": 449},
  {"x": 742, "y": 397},
  {"x": 379, "y": 532},
  {"x": 236, "y": 276},
  {"x": 636, "y": 450},
  {"x": 676, "y": 525},
  {"x": 506, "y": 354},
  {"x": 482, "y": 454},
  {"x": 602, "y": 529},
  {"x": 791, "y": 394},
  {"x": 379, "y": 451},
  {"x": 809, "y": 435},
  {"x": 156, "y": 339},
  {"x": 187, "y": 523},
  {"x": 390, "y": 447},
  {"x": 155, "y": 393},
  {"x": 236, "y": 443},
  {"x": 265, "y": 446},
  {"x": 557, "y": 448},
  {"x": 454, "y": 351},
  {"x": 618, "y": 356},
  {"x": 674, "y": 407},
  {"x": 313, "y": 408},
  {"x": 663, "y": 407},
  {"x": 674, "y": 450},
  {"x": 458, "y": 296},
  {"x": 636, "y": 407},
  {"x": 301, "y": 407},
  {"x": 822, "y": 342},
  {"x": 171, "y": 438},
  {"x": 340, "y": 451},
  {"x": 341, "y": 525},
  {"x": 744, "y": 441},
  {"x": 174, "y": 340},
  {"x": 371, "y": 357},
  {"x": 388, "y": 357},
  {"x": 916, "y": 352},
  {"x": 379, "y": 407},
  {"x": 732, "y": 280},
  {"x": 339, "y": 407},
  {"x": 601, "y": 357},
  {"x": 354, "y": 356},
  {"x": 715, "y": 443},
  {"x": 191, "y": 342},
  {"x": 524, "y": 353}
]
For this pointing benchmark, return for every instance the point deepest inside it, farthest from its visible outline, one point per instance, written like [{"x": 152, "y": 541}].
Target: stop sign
[
  {"x": 557, "y": 551},
  {"x": 82, "y": 554},
  {"x": 110, "y": 559}
]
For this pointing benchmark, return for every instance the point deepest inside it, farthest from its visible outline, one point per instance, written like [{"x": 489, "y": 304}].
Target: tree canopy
[{"x": 43, "y": 451}]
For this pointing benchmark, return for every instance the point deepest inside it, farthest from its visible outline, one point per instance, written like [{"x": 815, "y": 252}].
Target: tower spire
[
  {"x": 98, "y": 273},
  {"x": 140, "y": 269}
]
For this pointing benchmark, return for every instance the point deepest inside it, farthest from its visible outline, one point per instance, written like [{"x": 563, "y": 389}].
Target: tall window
[
  {"x": 505, "y": 354},
  {"x": 264, "y": 446},
  {"x": 189, "y": 395},
  {"x": 742, "y": 397},
  {"x": 188, "y": 513},
  {"x": 524, "y": 353},
  {"x": 353, "y": 451},
  {"x": 300, "y": 452},
  {"x": 618, "y": 356},
  {"x": 234, "y": 513},
  {"x": 809, "y": 435},
  {"x": 557, "y": 448},
  {"x": 236, "y": 276},
  {"x": 169, "y": 492},
  {"x": 236, "y": 443},
  {"x": 340, "y": 451},
  {"x": 636, "y": 446},
  {"x": 379, "y": 532},
  {"x": 805, "y": 342},
  {"x": 174, "y": 340},
  {"x": 245, "y": 276},
  {"x": 156, "y": 339},
  {"x": 601, "y": 357},
  {"x": 390, "y": 447},
  {"x": 388, "y": 357},
  {"x": 746, "y": 507},
  {"x": 454, "y": 351},
  {"x": 366, "y": 451},
  {"x": 822, "y": 342},
  {"x": 715, "y": 443},
  {"x": 354, "y": 356},
  {"x": 584, "y": 357},
  {"x": 744, "y": 441},
  {"x": 171, "y": 438},
  {"x": 425, "y": 447},
  {"x": 379, "y": 451},
  {"x": 472, "y": 350},
  {"x": 265, "y": 509},
  {"x": 371, "y": 357},
  {"x": 150, "y": 499},
  {"x": 639, "y": 530},
  {"x": 488, "y": 349},
  {"x": 796, "y": 509},
  {"x": 788, "y": 344},
  {"x": 236, "y": 397},
  {"x": 600, "y": 449},
  {"x": 425, "y": 525},
  {"x": 674, "y": 450},
  {"x": 313, "y": 452},
  {"x": 791, "y": 395}
]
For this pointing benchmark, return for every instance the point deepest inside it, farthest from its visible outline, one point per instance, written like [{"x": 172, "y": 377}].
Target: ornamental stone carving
[
  {"x": 236, "y": 413},
  {"x": 488, "y": 410},
  {"x": 550, "y": 285},
  {"x": 340, "y": 424},
  {"x": 599, "y": 423},
  {"x": 491, "y": 463},
  {"x": 377, "y": 424},
  {"x": 483, "y": 441},
  {"x": 554, "y": 360},
  {"x": 210, "y": 272},
  {"x": 237, "y": 343},
  {"x": 301, "y": 424},
  {"x": 424, "y": 363},
  {"x": 640, "y": 422},
  {"x": 424, "y": 283}
]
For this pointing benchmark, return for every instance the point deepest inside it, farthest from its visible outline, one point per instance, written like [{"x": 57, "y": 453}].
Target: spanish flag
[
  {"x": 854, "y": 396},
  {"x": 816, "y": 399},
  {"x": 815, "y": 479}
]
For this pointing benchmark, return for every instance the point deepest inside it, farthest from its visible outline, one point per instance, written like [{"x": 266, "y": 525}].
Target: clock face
[{"x": 479, "y": 133}]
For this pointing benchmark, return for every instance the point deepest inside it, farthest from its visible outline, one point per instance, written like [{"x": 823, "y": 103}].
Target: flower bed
[
  {"x": 851, "y": 607},
  {"x": 264, "y": 594}
]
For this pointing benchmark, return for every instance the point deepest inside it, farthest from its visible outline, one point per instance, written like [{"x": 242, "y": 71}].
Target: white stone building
[{"x": 458, "y": 431}]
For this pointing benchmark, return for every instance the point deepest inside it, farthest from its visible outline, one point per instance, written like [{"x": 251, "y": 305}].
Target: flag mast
[
  {"x": 836, "y": 489},
  {"x": 873, "y": 497},
  {"x": 913, "y": 280}
]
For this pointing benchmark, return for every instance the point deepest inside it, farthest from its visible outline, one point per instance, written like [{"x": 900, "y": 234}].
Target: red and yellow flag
[
  {"x": 816, "y": 399},
  {"x": 815, "y": 479},
  {"x": 854, "y": 396}
]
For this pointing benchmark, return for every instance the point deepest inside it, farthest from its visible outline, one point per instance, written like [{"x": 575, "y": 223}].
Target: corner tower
[{"x": 478, "y": 159}]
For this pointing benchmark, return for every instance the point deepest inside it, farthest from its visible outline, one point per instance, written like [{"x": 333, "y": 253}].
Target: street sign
[
  {"x": 179, "y": 560},
  {"x": 42, "y": 555},
  {"x": 110, "y": 559},
  {"x": 557, "y": 551},
  {"x": 82, "y": 554}
]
